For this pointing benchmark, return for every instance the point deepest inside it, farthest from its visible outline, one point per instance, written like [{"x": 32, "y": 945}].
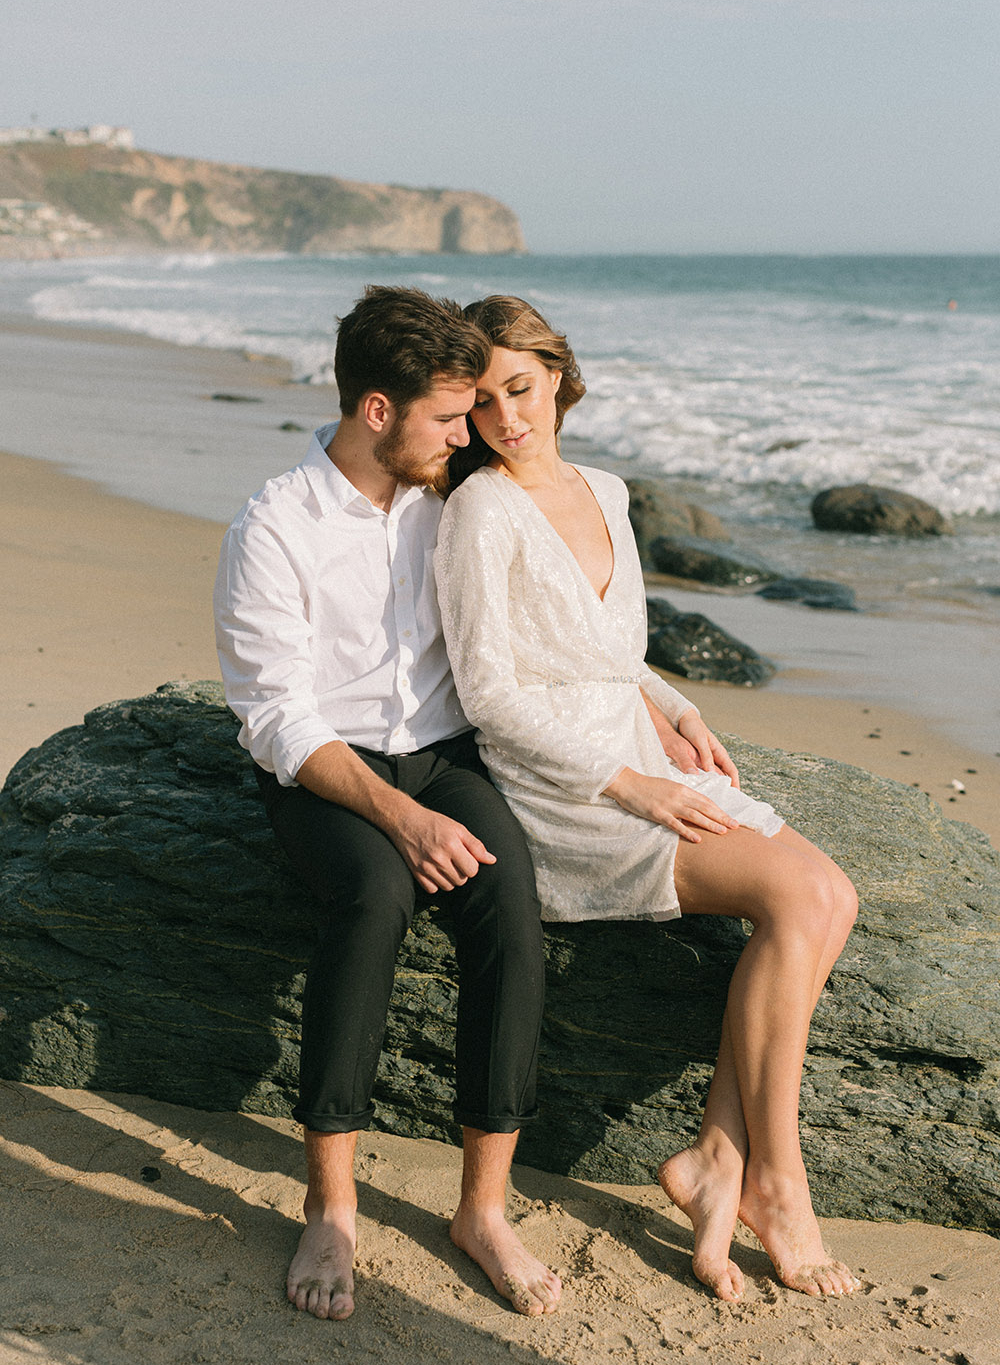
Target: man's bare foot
[
  {"x": 495, "y": 1247},
  {"x": 779, "y": 1212},
  {"x": 707, "y": 1190},
  {"x": 321, "y": 1276}
]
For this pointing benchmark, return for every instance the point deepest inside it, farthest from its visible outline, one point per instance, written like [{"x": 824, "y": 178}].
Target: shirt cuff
[{"x": 290, "y": 749}]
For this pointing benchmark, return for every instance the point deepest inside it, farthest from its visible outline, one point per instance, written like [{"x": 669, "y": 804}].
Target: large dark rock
[
  {"x": 820, "y": 593},
  {"x": 703, "y": 562},
  {"x": 865, "y": 508},
  {"x": 153, "y": 940},
  {"x": 655, "y": 510},
  {"x": 692, "y": 646}
]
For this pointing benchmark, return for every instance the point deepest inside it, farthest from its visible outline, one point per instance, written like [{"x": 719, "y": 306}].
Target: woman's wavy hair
[{"x": 514, "y": 325}]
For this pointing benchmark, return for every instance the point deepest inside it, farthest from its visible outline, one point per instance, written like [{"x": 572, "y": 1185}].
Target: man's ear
[{"x": 377, "y": 411}]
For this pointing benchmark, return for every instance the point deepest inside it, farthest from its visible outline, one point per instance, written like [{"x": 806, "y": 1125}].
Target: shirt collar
[{"x": 332, "y": 491}]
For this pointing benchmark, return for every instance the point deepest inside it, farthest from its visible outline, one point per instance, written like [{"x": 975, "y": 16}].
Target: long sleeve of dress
[
  {"x": 516, "y": 711},
  {"x": 552, "y": 674}
]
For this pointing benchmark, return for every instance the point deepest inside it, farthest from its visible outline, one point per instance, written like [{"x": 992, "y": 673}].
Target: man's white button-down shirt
[{"x": 327, "y": 619}]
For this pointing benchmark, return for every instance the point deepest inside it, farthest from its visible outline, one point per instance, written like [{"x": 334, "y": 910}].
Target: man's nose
[{"x": 459, "y": 434}]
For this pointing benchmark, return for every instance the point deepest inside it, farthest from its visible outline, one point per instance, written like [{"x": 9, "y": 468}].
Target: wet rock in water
[
  {"x": 793, "y": 443},
  {"x": 692, "y": 646},
  {"x": 820, "y": 593},
  {"x": 869, "y": 510},
  {"x": 655, "y": 510},
  {"x": 153, "y": 940},
  {"x": 235, "y": 398},
  {"x": 703, "y": 562}
]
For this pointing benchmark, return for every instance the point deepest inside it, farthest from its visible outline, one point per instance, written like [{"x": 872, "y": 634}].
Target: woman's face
[{"x": 515, "y": 407}]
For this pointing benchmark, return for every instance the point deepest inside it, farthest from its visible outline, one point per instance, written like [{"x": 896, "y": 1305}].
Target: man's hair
[{"x": 399, "y": 341}]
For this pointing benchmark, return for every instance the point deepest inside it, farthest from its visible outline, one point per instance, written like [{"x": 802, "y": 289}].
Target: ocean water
[{"x": 752, "y": 382}]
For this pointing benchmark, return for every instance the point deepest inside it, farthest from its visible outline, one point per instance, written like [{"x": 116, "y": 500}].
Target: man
[{"x": 332, "y": 656}]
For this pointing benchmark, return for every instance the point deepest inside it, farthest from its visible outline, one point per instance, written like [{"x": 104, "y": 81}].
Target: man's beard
[{"x": 390, "y": 453}]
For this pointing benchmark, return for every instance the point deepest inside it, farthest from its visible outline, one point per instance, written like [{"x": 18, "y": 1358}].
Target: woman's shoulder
[
  {"x": 604, "y": 485},
  {"x": 476, "y": 490},
  {"x": 477, "y": 501}
]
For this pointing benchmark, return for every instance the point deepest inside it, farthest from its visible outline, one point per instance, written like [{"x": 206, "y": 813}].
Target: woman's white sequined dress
[{"x": 550, "y": 673}]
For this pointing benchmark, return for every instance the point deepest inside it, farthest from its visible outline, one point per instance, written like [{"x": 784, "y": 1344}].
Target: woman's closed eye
[{"x": 511, "y": 393}]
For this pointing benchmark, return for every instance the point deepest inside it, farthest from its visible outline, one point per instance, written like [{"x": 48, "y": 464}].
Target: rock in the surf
[
  {"x": 655, "y": 510},
  {"x": 869, "y": 510}
]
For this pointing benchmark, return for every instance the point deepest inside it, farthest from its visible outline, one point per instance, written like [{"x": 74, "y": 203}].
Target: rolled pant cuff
[
  {"x": 491, "y": 1123},
  {"x": 334, "y": 1123}
]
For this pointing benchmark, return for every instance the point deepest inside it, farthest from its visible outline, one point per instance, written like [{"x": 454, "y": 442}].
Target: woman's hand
[
  {"x": 681, "y": 752},
  {"x": 712, "y": 756},
  {"x": 672, "y": 804}
]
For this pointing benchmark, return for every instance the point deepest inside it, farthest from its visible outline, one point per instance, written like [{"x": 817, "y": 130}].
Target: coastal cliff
[{"x": 94, "y": 199}]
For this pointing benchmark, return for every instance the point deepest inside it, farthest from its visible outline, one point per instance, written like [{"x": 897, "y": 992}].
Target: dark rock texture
[
  {"x": 811, "y": 592},
  {"x": 153, "y": 940},
  {"x": 655, "y": 510},
  {"x": 692, "y": 646},
  {"x": 700, "y": 560},
  {"x": 870, "y": 510}
]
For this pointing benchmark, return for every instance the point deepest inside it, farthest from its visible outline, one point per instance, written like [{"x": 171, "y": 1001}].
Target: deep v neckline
[{"x": 601, "y": 597}]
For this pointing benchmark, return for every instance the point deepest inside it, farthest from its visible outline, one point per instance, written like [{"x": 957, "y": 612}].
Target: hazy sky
[{"x": 607, "y": 125}]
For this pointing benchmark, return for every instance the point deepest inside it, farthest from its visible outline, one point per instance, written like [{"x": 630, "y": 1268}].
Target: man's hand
[
  {"x": 440, "y": 852},
  {"x": 712, "y": 756},
  {"x": 672, "y": 804}
]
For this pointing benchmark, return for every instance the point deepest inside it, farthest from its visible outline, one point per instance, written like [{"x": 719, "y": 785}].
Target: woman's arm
[
  {"x": 476, "y": 546},
  {"x": 690, "y": 745},
  {"x": 712, "y": 754},
  {"x": 681, "y": 752},
  {"x": 680, "y": 808}
]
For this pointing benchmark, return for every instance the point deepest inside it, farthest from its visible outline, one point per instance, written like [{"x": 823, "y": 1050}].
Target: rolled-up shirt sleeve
[{"x": 265, "y": 643}]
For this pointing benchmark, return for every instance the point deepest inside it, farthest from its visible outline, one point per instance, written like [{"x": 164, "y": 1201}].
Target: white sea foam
[{"x": 708, "y": 370}]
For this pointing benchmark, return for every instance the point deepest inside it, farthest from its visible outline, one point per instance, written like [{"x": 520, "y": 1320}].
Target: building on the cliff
[
  {"x": 28, "y": 218},
  {"x": 97, "y": 134}
]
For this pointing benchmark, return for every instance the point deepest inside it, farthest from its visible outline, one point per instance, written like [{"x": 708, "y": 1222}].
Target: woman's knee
[
  {"x": 798, "y": 899},
  {"x": 845, "y": 910}
]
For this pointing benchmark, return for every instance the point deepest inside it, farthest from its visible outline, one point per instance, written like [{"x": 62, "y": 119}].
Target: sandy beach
[{"x": 136, "y": 1230}]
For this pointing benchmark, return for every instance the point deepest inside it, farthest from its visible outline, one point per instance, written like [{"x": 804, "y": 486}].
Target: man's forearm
[
  {"x": 335, "y": 772},
  {"x": 440, "y": 853}
]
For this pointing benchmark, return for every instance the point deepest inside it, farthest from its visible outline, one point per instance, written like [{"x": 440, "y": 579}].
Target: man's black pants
[{"x": 371, "y": 896}]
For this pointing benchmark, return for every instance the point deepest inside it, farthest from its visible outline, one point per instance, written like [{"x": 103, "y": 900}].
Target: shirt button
[
  {"x": 407, "y": 633},
  {"x": 401, "y": 581}
]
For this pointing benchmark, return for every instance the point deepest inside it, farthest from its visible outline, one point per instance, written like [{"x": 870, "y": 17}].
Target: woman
[{"x": 631, "y": 805}]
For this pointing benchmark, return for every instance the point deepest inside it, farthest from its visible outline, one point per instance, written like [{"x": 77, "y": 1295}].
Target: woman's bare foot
[
  {"x": 495, "y": 1247},
  {"x": 707, "y": 1190},
  {"x": 321, "y": 1276},
  {"x": 779, "y": 1212}
]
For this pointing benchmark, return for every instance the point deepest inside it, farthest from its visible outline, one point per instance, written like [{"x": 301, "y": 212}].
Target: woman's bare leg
[
  {"x": 706, "y": 1179},
  {"x": 747, "y": 1157}
]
